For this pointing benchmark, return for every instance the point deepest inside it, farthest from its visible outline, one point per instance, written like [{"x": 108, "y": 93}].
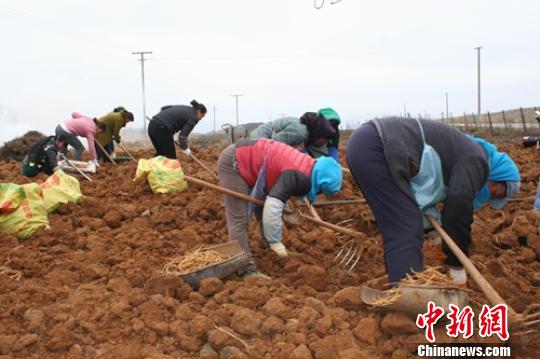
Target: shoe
[{"x": 254, "y": 273}]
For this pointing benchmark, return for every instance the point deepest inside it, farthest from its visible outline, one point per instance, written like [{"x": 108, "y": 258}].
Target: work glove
[
  {"x": 187, "y": 152},
  {"x": 458, "y": 275},
  {"x": 279, "y": 248},
  {"x": 272, "y": 222},
  {"x": 96, "y": 163}
]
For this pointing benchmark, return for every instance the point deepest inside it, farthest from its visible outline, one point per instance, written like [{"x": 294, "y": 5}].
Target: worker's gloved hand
[
  {"x": 96, "y": 163},
  {"x": 271, "y": 219},
  {"x": 187, "y": 152},
  {"x": 279, "y": 248},
  {"x": 458, "y": 275}
]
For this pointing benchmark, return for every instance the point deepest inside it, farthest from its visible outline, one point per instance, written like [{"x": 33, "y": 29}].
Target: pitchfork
[{"x": 348, "y": 255}]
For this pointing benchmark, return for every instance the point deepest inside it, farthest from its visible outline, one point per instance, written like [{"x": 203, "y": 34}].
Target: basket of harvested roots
[
  {"x": 413, "y": 293},
  {"x": 218, "y": 261}
]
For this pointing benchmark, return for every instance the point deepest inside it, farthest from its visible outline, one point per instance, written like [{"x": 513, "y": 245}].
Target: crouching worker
[
  {"x": 272, "y": 171},
  {"x": 42, "y": 156},
  {"x": 405, "y": 167}
]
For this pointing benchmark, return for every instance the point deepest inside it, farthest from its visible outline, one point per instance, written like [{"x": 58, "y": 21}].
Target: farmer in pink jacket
[{"x": 83, "y": 126}]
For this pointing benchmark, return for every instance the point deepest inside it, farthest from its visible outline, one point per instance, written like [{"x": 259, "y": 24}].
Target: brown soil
[
  {"x": 17, "y": 148},
  {"x": 92, "y": 287}
]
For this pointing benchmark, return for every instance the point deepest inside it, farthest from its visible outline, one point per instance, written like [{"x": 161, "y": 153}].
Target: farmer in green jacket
[{"x": 114, "y": 121}]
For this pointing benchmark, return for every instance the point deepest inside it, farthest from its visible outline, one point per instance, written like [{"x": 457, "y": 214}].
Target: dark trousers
[
  {"x": 398, "y": 217},
  {"x": 72, "y": 141},
  {"x": 162, "y": 139},
  {"x": 109, "y": 147}
]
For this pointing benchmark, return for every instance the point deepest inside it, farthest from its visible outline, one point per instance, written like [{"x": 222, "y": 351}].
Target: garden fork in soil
[{"x": 350, "y": 253}]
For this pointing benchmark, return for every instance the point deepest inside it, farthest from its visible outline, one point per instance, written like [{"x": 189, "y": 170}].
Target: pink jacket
[{"x": 83, "y": 126}]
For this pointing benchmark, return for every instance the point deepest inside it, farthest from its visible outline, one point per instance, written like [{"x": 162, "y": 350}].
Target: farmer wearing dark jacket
[
  {"x": 406, "y": 166},
  {"x": 42, "y": 156},
  {"x": 319, "y": 132},
  {"x": 275, "y": 172},
  {"x": 173, "y": 119}
]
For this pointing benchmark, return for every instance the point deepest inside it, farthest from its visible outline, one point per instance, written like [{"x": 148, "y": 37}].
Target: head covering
[
  {"x": 326, "y": 177},
  {"x": 501, "y": 169},
  {"x": 318, "y": 127},
  {"x": 330, "y": 114}
]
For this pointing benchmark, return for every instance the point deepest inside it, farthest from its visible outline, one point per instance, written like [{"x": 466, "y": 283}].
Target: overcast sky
[{"x": 365, "y": 58}]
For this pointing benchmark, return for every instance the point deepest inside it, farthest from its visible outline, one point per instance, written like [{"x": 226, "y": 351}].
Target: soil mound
[{"x": 17, "y": 148}]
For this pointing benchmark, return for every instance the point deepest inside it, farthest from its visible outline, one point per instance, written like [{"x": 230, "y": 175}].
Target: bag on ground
[
  {"x": 60, "y": 188},
  {"x": 30, "y": 213},
  {"x": 164, "y": 175}
]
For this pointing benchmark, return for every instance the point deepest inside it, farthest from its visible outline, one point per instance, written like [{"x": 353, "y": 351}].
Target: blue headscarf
[
  {"x": 326, "y": 177},
  {"x": 501, "y": 169}
]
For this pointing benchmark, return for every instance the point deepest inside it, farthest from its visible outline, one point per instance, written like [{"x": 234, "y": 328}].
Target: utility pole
[
  {"x": 447, "y": 105},
  {"x": 404, "y": 109},
  {"x": 236, "y": 96},
  {"x": 142, "y": 60},
  {"x": 478, "y": 73},
  {"x": 214, "y": 109}
]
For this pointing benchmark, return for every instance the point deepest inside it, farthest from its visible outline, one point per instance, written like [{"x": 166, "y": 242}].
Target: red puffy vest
[{"x": 280, "y": 158}]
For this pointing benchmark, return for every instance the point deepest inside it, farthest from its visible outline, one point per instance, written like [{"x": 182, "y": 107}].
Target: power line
[{"x": 142, "y": 60}]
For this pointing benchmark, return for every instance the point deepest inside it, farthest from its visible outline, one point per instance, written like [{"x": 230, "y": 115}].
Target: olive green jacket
[{"x": 114, "y": 122}]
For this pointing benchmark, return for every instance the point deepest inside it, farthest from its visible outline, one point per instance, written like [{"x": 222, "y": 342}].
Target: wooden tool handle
[
  {"x": 204, "y": 166},
  {"x": 105, "y": 152},
  {"x": 126, "y": 151},
  {"x": 259, "y": 202},
  {"x": 491, "y": 294}
]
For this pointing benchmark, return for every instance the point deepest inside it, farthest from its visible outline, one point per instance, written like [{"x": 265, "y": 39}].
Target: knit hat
[{"x": 330, "y": 114}]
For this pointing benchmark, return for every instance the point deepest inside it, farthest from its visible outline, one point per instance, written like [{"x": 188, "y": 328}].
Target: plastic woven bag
[
  {"x": 29, "y": 216},
  {"x": 163, "y": 174},
  {"x": 60, "y": 188},
  {"x": 11, "y": 196}
]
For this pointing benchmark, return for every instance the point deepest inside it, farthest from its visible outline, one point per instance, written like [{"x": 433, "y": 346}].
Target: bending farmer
[
  {"x": 308, "y": 133},
  {"x": 406, "y": 166},
  {"x": 170, "y": 120},
  {"x": 114, "y": 121},
  {"x": 83, "y": 126},
  {"x": 275, "y": 172}
]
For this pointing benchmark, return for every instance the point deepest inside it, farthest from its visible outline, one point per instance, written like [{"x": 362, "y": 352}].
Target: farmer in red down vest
[{"x": 272, "y": 171}]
